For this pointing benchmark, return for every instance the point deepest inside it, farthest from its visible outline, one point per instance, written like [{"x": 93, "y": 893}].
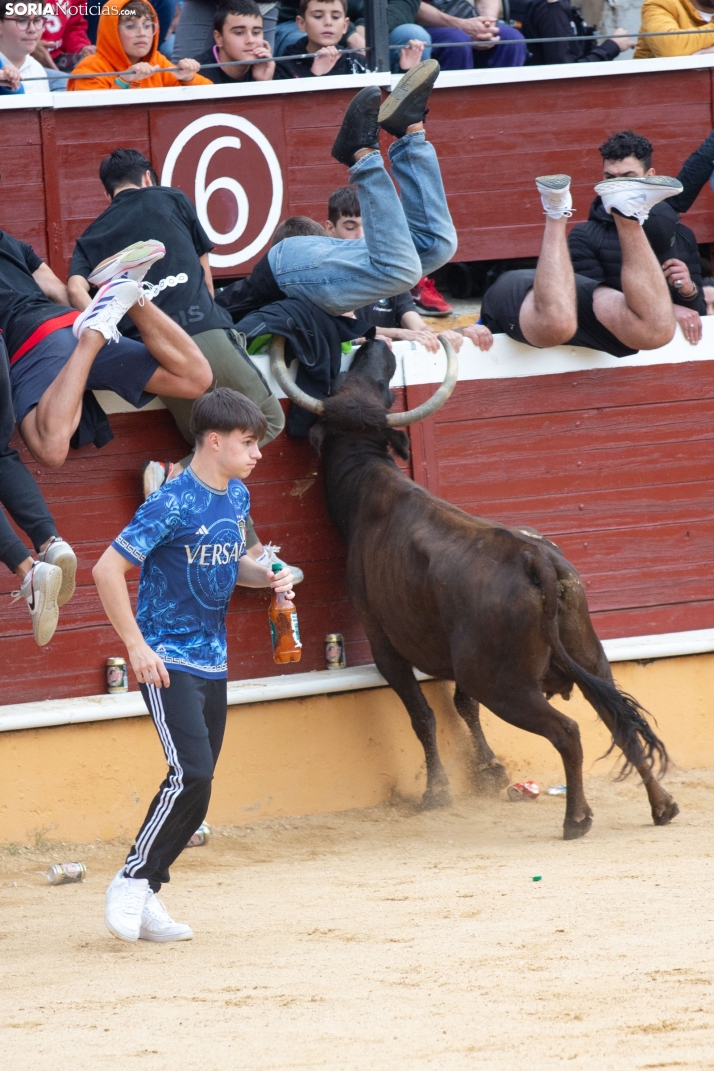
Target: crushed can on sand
[
  {"x": 201, "y": 836},
  {"x": 66, "y": 873},
  {"x": 558, "y": 790},
  {"x": 523, "y": 790}
]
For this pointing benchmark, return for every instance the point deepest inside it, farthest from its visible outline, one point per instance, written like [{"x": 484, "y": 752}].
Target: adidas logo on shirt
[{"x": 202, "y": 530}]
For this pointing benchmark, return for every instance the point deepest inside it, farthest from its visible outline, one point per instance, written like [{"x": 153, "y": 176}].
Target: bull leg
[
  {"x": 399, "y": 674},
  {"x": 532, "y": 712},
  {"x": 489, "y": 775},
  {"x": 662, "y": 805}
]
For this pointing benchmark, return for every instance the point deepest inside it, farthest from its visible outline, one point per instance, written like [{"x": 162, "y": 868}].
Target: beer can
[
  {"x": 523, "y": 790},
  {"x": 117, "y": 676},
  {"x": 201, "y": 836},
  {"x": 66, "y": 873},
  {"x": 335, "y": 651}
]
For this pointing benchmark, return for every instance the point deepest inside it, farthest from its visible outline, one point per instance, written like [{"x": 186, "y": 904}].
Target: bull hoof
[
  {"x": 489, "y": 780},
  {"x": 575, "y": 830},
  {"x": 664, "y": 817},
  {"x": 431, "y": 801}
]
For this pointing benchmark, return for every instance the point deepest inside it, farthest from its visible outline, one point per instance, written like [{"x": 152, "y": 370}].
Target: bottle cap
[{"x": 277, "y": 567}]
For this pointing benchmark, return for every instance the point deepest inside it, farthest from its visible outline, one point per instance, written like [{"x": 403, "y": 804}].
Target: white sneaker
[
  {"x": 555, "y": 195},
  {"x": 124, "y": 906},
  {"x": 157, "y": 924},
  {"x": 40, "y": 590},
  {"x": 635, "y": 197},
  {"x": 61, "y": 554},
  {"x": 155, "y": 474},
  {"x": 270, "y": 556},
  {"x": 132, "y": 262},
  {"x": 107, "y": 308}
]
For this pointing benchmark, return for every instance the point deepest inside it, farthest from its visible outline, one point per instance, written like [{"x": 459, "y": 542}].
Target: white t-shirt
[
  {"x": 30, "y": 69},
  {"x": 706, "y": 15}
]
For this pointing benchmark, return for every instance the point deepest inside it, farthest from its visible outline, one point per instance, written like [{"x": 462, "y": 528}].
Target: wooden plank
[{"x": 53, "y": 197}]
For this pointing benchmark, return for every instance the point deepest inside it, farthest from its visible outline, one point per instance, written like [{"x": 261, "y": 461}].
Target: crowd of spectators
[
  {"x": 189, "y": 38},
  {"x": 37, "y": 52}
]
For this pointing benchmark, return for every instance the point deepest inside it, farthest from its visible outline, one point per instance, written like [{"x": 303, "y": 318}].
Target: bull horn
[
  {"x": 289, "y": 387},
  {"x": 412, "y": 416}
]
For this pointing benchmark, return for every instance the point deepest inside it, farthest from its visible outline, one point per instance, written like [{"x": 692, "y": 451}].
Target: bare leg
[
  {"x": 184, "y": 372},
  {"x": 489, "y": 774},
  {"x": 641, "y": 316},
  {"x": 48, "y": 427},
  {"x": 549, "y": 314},
  {"x": 24, "y": 567}
]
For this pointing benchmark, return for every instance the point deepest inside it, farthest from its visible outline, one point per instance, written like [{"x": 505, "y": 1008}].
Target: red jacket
[{"x": 65, "y": 33}]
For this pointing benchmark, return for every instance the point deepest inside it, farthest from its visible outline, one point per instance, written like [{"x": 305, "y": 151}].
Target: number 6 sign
[{"x": 204, "y": 190}]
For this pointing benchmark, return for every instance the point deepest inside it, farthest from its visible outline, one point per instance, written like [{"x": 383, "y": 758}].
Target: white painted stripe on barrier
[
  {"x": 104, "y": 98},
  {"x": 55, "y": 712},
  {"x": 505, "y": 360},
  {"x": 558, "y": 71}
]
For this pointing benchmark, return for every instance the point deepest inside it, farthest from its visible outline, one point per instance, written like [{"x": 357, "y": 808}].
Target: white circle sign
[{"x": 203, "y": 192}]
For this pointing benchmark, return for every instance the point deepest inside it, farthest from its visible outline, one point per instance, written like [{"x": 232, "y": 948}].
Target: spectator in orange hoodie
[{"x": 128, "y": 42}]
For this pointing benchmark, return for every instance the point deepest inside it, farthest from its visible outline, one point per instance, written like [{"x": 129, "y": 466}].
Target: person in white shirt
[{"x": 19, "y": 37}]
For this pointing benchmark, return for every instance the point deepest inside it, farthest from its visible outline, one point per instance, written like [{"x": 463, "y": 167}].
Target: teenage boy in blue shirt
[{"x": 189, "y": 539}]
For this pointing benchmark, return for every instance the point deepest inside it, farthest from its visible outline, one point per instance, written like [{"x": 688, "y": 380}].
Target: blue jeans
[
  {"x": 400, "y": 35},
  {"x": 466, "y": 59},
  {"x": 404, "y": 240}
]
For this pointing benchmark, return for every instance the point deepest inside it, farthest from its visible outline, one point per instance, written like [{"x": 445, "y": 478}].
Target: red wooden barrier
[
  {"x": 615, "y": 465},
  {"x": 492, "y": 139}
]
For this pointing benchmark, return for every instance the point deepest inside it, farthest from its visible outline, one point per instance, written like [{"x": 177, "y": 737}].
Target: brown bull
[{"x": 498, "y": 610}]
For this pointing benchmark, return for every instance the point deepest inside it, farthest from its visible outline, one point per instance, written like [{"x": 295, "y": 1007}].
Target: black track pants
[
  {"x": 19, "y": 493},
  {"x": 190, "y": 718}
]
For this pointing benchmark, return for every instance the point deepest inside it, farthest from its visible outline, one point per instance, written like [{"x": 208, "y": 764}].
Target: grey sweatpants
[{"x": 231, "y": 367}]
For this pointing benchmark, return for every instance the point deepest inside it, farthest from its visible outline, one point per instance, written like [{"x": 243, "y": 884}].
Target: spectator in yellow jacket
[{"x": 659, "y": 15}]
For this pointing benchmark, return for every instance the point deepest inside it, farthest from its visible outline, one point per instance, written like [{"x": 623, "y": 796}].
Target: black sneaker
[
  {"x": 359, "y": 128},
  {"x": 406, "y": 104}
]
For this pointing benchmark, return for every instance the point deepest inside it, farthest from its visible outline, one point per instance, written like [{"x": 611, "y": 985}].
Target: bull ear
[
  {"x": 317, "y": 437},
  {"x": 399, "y": 442}
]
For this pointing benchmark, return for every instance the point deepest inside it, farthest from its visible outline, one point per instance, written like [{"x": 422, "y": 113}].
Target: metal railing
[{"x": 378, "y": 48}]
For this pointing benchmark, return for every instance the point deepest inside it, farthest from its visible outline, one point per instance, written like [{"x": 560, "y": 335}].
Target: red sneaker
[{"x": 428, "y": 299}]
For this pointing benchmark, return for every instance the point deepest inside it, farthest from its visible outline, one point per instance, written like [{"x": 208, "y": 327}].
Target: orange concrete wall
[{"x": 306, "y": 756}]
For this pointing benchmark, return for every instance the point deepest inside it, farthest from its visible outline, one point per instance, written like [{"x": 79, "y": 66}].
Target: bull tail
[{"x": 631, "y": 730}]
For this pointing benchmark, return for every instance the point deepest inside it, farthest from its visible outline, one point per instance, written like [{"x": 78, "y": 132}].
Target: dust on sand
[{"x": 382, "y": 939}]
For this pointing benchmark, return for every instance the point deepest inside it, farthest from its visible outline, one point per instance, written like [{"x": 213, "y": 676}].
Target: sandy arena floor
[{"x": 381, "y": 940}]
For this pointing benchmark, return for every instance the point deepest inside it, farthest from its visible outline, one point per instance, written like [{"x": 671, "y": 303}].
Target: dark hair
[
  {"x": 304, "y": 5},
  {"x": 226, "y": 410},
  {"x": 3, "y": 10},
  {"x": 707, "y": 281},
  {"x": 297, "y": 226},
  {"x": 627, "y": 143},
  {"x": 137, "y": 9},
  {"x": 124, "y": 166},
  {"x": 343, "y": 202},
  {"x": 234, "y": 7}
]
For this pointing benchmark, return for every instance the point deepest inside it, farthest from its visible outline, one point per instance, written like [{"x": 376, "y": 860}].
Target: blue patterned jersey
[{"x": 188, "y": 539}]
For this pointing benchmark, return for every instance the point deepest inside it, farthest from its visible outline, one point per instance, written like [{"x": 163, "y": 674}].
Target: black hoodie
[{"x": 595, "y": 249}]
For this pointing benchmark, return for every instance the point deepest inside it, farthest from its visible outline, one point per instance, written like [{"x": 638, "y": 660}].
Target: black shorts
[
  {"x": 124, "y": 367},
  {"x": 502, "y": 306}
]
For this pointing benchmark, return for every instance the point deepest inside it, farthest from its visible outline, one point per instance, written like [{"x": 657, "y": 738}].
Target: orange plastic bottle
[{"x": 284, "y": 630}]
